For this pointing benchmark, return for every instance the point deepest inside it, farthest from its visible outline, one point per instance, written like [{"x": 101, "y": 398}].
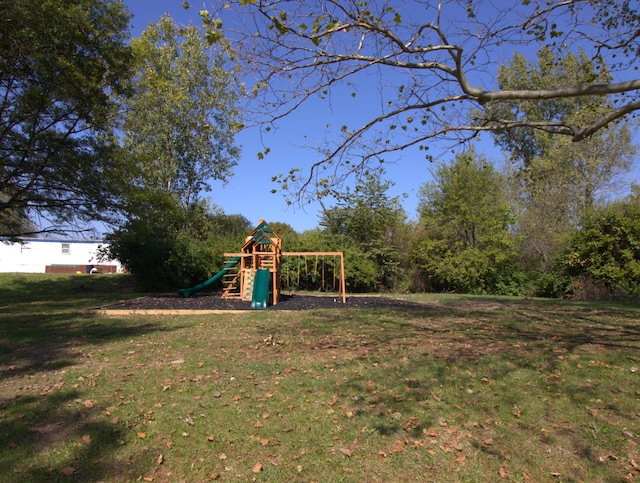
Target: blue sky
[{"x": 248, "y": 192}]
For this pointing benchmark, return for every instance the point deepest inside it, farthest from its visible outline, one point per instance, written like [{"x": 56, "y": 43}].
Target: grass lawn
[{"x": 466, "y": 389}]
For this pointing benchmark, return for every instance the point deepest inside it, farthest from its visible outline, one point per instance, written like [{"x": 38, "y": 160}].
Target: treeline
[
  {"x": 97, "y": 126},
  {"x": 470, "y": 236}
]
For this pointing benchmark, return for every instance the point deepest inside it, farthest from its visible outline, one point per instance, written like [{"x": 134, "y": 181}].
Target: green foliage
[
  {"x": 606, "y": 249},
  {"x": 59, "y": 64},
  {"x": 557, "y": 181},
  {"x": 465, "y": 221},
  {"x": 368, "y": 226},
  {"x": 172, "y": 248},
  {"x": 179, "y": 128},
  {"x": 181, "y": 116},
  {"x": 525, "y": 144}
]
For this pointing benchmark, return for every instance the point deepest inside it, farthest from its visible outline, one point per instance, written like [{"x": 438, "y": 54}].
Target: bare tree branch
[{"x": 439, "y": 62}]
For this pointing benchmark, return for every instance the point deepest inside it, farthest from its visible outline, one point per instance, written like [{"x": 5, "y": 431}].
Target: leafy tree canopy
[
  {"x": 59, "y": 64},
  {"x": 181, "y": 116},
  {"x": 465, "y": 220},
  {"x": 607, "y": 247}
]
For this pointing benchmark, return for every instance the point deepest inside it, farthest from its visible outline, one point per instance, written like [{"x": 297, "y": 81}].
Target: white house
[{"x": 40, "y": 255}]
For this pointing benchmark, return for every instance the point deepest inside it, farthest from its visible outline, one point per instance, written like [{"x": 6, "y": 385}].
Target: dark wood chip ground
[{"x": 286, "y": 302}]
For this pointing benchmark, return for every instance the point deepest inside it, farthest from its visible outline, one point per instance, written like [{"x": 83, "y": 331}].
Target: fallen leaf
[
  {"x": 264, "y": 442},
  {"x": 142, "y": 435},
  {"x": 346, "y": 452},
  {"x": 503, "y": 473},
  {"x": 68, "y": 470},
  {"x": 211, "y": 437},
  {"x": 160, "y": 459},
  {"x": 461, "y": 459},
  {"x": 265, "y": 415},
  {"x": 257, "y": 468},
  {"x": 114, "y": 420},
  {"x": 85, "y": 439},
  {"x": 398, "y": 446},
  {"x": 88, "y": 404}
]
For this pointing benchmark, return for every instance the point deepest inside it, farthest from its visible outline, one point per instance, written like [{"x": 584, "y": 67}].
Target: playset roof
[{"x": 262, "y": 235}]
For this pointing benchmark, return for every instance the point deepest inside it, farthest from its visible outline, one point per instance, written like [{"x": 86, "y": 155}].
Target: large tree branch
[{"x": 444, "y": 55}]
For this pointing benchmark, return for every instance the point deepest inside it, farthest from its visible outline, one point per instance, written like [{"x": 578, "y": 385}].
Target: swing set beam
[{"x": 343, "y": 285}]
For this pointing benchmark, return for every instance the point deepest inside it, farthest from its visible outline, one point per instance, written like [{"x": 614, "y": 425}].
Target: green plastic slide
[
  {"x": 188, "y": 292},
  {"x": 260, "y": 298}
]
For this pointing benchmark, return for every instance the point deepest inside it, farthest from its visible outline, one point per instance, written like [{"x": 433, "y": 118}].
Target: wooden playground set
[{"x": 256, "y": 273}]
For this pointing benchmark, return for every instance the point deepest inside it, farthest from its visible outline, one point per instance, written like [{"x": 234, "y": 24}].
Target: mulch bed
[{"x": 286, "y": 302}]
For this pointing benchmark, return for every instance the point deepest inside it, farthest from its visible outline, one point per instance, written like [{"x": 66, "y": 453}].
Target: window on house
[
  {"x": 25, "y": 248},
  {"x": 66, "y": 248}
]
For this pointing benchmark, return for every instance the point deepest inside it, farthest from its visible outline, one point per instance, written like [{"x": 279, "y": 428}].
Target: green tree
[
  {"x": 179, "y": 127},
  {"x": 176, "y": 248},
  {"x": 181, "y": 117},
  {"x": 557, "y": 181},
  {"x": 60, "y": 62},
  {"x": 368, "y": 223},
  {"x": 606, "y": 248},
  {"x": 437, "y": 65},
  {"x": 465, "y": 221}
]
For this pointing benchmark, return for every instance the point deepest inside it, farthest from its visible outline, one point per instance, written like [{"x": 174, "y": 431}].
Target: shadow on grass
[
  {"x": 81, "y": 441},
  {"x": 51, "y": 342},
  {"x": 36, "y": 286},
  {"x": 423, "y": 349}
]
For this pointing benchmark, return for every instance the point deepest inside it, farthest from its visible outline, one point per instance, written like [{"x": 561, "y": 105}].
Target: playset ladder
[{"x": 230, "y": 281}]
